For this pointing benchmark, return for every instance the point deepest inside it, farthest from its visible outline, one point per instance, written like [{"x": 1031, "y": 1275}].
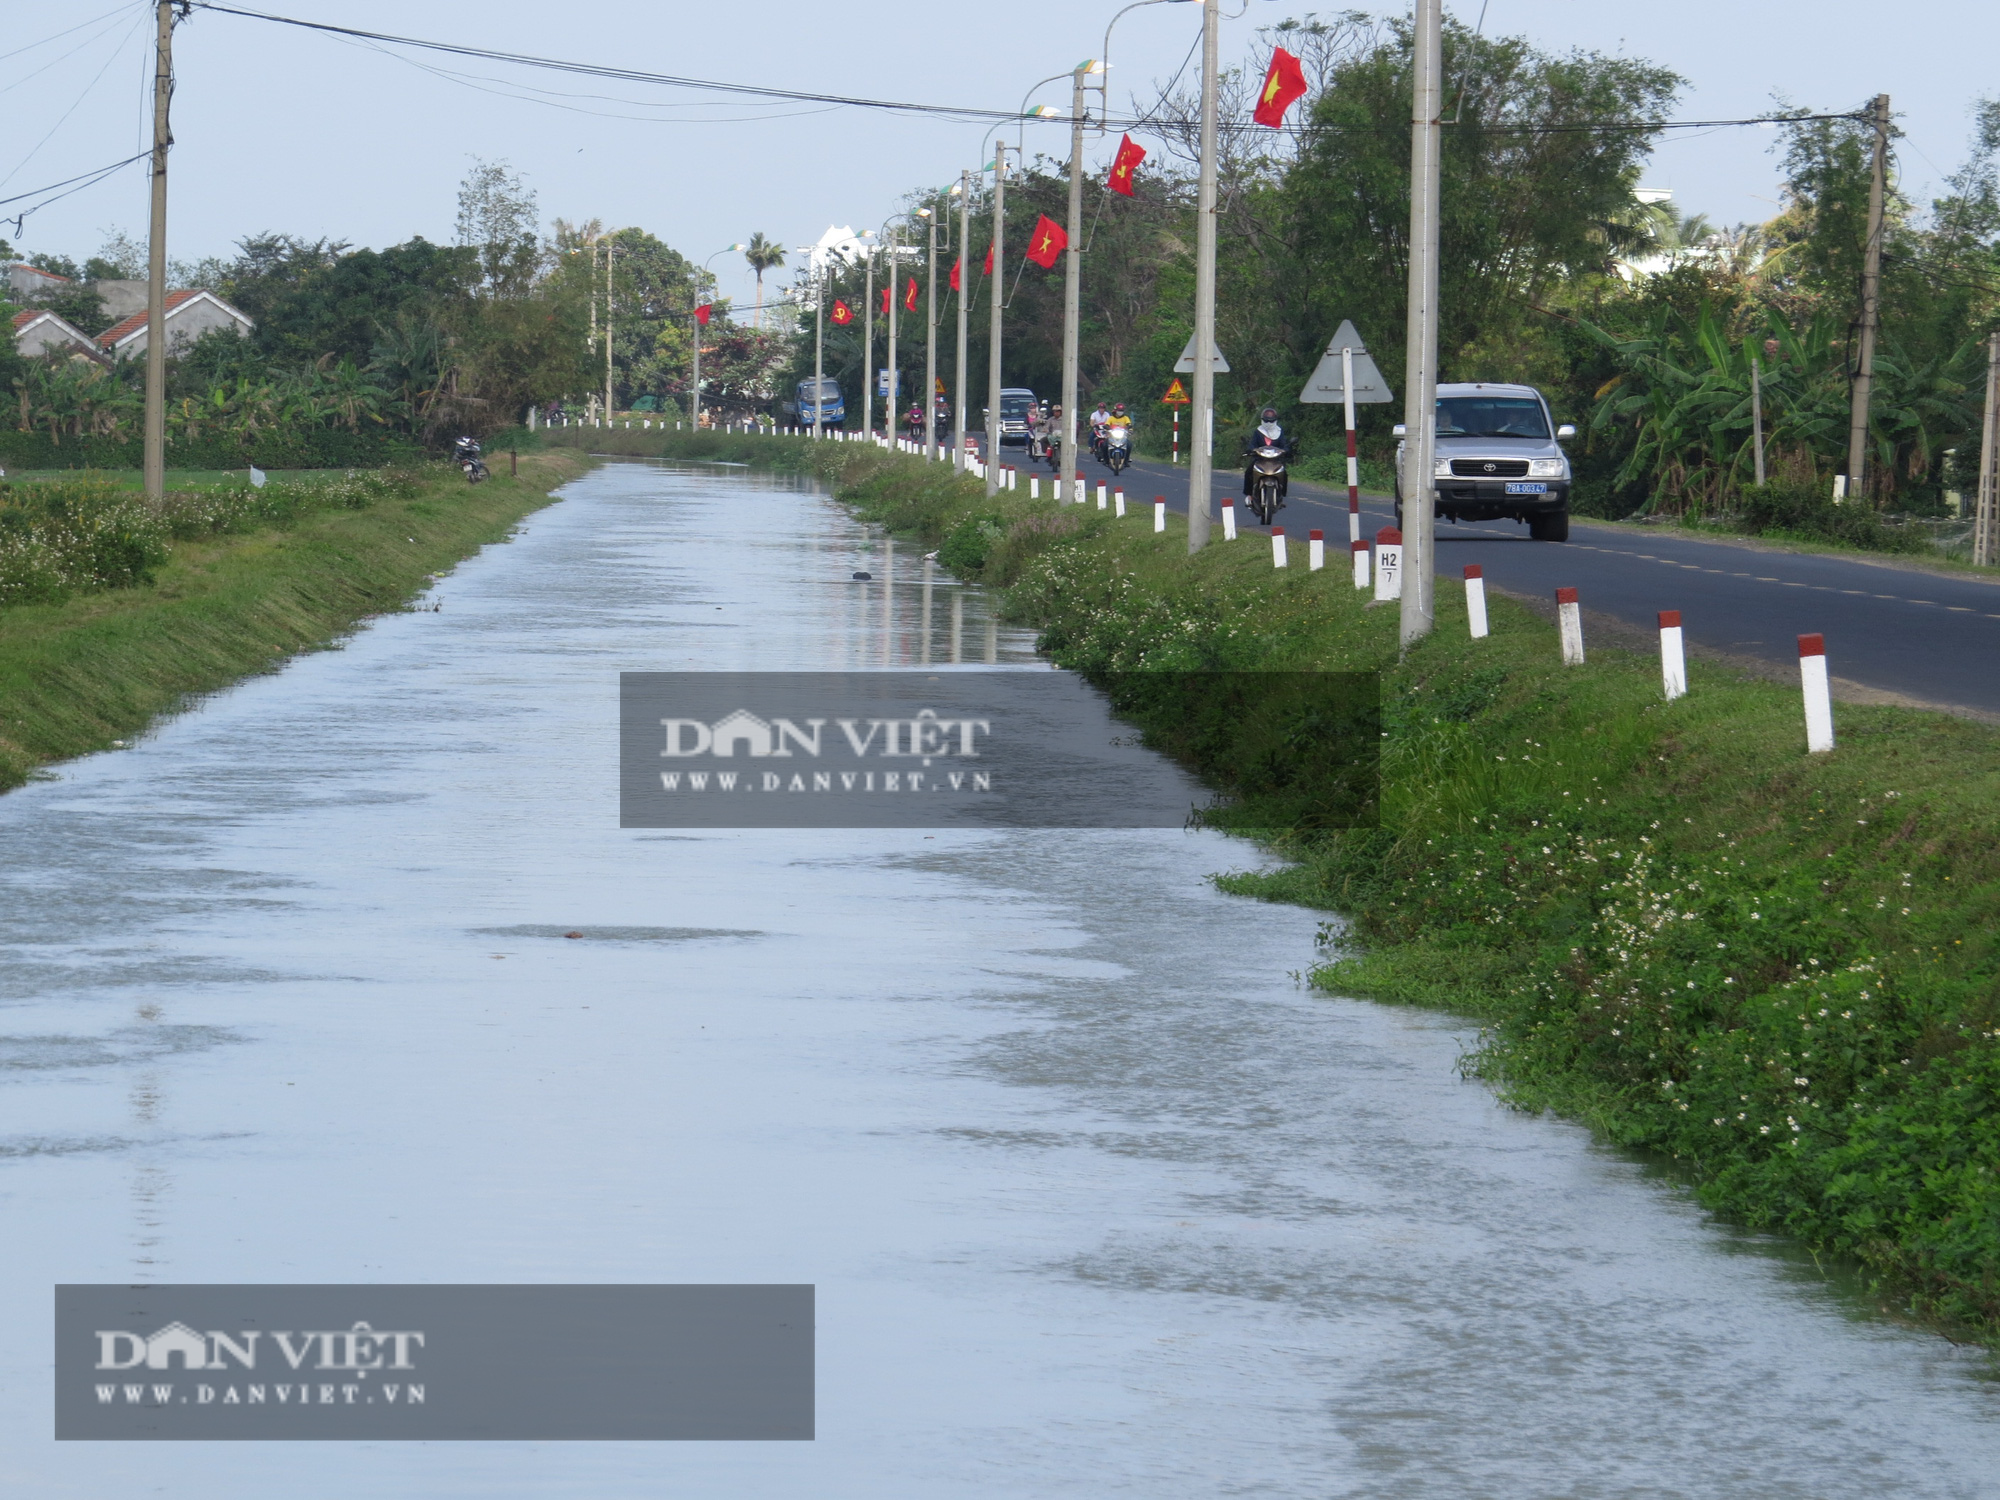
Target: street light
[
  {"x": 889, "y": 399},
  {"x": 811, "y": 252},
  {"x": 694, "y": 394}
]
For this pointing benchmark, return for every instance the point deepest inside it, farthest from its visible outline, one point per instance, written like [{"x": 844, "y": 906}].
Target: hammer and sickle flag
[
  {"x": 954, "y": 273},
  {"x": 910, "y": 295},
  {"x": 1047, "y": 242},
  {"x": 885, "y": 302},
  {"x": 1130, "y": 154},
  {"x": 1285, "y": 81},
  {"x": 842, "y": 313},
  {"x": 987, "y": 269},
  {"x": 701, "y": 315}
]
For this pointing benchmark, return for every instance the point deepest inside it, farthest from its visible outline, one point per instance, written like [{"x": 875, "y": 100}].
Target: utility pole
[
  {"x": 1420, "y": 394},
  {"x": 868, "y": 341},
  {"x": 931, "y": 216},
  {"x": 965, "y": 286},
  {"x": 694, "y": 390},
  {"x": 1986, "y": 509},
  {"x": 591, "y": 343},
  {"x": 1073, "y": 277},
  {"x": 992, "y": 443},
  {"x": 1201, "y": 442},
  {"x": 1757, "y": 415},
  {"x": 156, "y": 257},
  {"x": 610, "y": 265},
  {"x": 819, "y": 345},
  {"x": 889, "y": 396},
  {"x": 1871, "y": 306}
]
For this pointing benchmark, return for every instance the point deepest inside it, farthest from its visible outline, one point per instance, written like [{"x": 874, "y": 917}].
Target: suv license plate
[{"x": 1526, "y": 489}]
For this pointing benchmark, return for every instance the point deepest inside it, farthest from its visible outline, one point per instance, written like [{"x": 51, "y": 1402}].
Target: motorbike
[
  {"x": 465, "y": 453},
  {"x": 1118, "y": 448},
  {"x": 1097, "y": 442},
  {"x": 1038, "y": 445},
  {"x": 1267, "y": 468}
]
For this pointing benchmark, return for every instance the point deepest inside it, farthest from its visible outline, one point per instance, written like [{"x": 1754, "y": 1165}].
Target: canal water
[{"x": 1098, "y": 1200}]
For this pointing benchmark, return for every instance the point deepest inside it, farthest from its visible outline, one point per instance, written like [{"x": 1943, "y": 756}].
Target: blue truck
[{"x": 833, "y": 409}]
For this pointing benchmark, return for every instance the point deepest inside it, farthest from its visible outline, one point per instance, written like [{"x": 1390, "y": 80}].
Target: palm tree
[{"x": 763, "y": 256}]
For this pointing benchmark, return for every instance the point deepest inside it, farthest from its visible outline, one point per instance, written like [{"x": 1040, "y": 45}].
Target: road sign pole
[
  {"x": 1177, "y": 437},
  {"x": 1353, "y": 462},
  {"x": 1420, "y": 397}
]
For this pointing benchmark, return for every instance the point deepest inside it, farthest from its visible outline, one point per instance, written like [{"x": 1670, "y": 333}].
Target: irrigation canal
[{"x": 1098, "y": 1201}]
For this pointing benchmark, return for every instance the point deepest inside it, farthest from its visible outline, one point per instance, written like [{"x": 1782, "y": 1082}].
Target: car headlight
[
  {"x": 1546, "y": 468},
  {"x": 1442, "y": 470}
]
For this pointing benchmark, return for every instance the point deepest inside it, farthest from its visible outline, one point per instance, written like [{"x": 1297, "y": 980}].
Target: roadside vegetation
[
  {"x": 114, "y": 612},
  {"x": 1779, "y": 971}
]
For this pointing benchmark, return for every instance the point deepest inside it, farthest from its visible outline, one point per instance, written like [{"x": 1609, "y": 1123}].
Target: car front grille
[{"x": 1489, "y": 468}]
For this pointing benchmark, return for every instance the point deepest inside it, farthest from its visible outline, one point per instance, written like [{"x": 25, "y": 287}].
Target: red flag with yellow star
[
  {"x": 1130, "y": 154},
  {"x": 842, "y": 313},
  {"x": 885, "y": 302},
  {"x": 910, "y": 295},
  {"x": 987, "y": 269},
  {"x": 1047, "y": 242},
  {"x": 1283, "y": 83},
  {"x": 954, "y": 273}
]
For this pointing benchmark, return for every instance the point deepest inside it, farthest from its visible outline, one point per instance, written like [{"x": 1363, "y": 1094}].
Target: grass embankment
[
  {"x": 1781, "y": 970},
  {"x": 101, "y": 665}
]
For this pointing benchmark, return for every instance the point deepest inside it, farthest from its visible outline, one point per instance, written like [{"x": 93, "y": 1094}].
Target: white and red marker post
[
  {"x": 1315, "y": 551},
  {"x": 1353, "y": 460},
  {"x": 1079, "y": 488},
  {"x": 1475, "y": 600},
  {"x": 1818, "y": 694},
  {"x": 1118, "y": 496},
  {"x": 1360, "y": 550},
  {"x": 1569, "y": 619},
  {"x": 1388, "y": 564},
  {"x": 1159, "y": 512},
  {"x": 1100, "y": 496},
  {"x": 1229, "y": 520},
  {"x": 1673, "y": 656},
  {"x": 1277, "y": 546}
]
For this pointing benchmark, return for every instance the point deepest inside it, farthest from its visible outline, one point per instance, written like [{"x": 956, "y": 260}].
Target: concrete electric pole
[
  {"x": 1420, "y": 384},
  {"x": 168, "y": 11},
  {"x": 1073, "y": 275},
  {"x": 1871, "y": 306},
  {"x": 992, "y": 443},
  {"x": 610, "y": 265},
  {"x": 1201, "y": 455},
  {"x": 965, "y": 285},
  {"x": 1986, "y": 505},
  {"x": 931, "y": 216}
]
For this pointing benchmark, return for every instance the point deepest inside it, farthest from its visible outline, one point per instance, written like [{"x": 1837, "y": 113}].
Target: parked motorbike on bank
[
  {"x": 1118, "y": 449},
  {"x": 465, "y": 453},
  {"x": 1268, "y": 482}
]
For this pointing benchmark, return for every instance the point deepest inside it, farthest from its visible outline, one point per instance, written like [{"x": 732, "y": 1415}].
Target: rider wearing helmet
[{"x": 1268, "y": 433}]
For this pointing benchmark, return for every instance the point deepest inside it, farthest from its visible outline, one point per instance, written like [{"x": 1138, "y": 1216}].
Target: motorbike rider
[
  {"x": 1099, "y": 417},
  {"x": 1268, "y": 433}
]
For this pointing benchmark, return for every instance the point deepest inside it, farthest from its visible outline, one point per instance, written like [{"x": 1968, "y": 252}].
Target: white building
[
  {"x": 189, "y": 316},
  {"x": 37, "y": 332}
]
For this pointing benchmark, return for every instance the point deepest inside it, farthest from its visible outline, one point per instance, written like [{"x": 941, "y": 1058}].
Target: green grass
[
  {"x": 1780, "y": 970},
  {"x": 102, "y": 666},
  {"x": 176, "y": 479}
]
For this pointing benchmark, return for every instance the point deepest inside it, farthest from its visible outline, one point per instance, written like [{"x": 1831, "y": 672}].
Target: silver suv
[{"x": 1498, "y": 456}]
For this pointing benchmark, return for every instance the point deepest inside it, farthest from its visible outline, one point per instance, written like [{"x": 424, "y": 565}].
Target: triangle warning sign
[
  {"x": 1325, "y": 384},
  {"x": 1185, "y": 364}
]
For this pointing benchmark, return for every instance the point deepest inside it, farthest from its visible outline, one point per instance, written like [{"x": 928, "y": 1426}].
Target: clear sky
[{"x": 287, "y": 130}]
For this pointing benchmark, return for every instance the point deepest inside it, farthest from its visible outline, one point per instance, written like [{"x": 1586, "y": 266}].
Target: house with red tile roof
[
  {"x": 25, "y": 283},
  {"x": 189, "y": 315},
  {"x": 37, "y": 331}
]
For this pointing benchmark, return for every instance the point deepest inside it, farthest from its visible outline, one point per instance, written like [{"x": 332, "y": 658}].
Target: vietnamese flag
[
  {"x": 1130, "y": 154},
  {"x": 1047, "y": 242},
  {"x": 910, "y": 295},
  {"x": 954, "y": 273},
  {"x": 1285, "y": 81},
  {"x": 701, "y": 314},
  {"x": 988, "y": 268},
  {"x": 842, "y": 313},
  {"x": 885, "y": 302}
]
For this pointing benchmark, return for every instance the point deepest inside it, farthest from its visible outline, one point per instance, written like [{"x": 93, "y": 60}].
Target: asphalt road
[{"x": 1891, "y": 629}]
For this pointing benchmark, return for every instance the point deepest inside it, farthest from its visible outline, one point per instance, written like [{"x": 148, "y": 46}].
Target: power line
[
  {"x": 82, "y": 181},
  {"x": 951, "y": 111}
]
